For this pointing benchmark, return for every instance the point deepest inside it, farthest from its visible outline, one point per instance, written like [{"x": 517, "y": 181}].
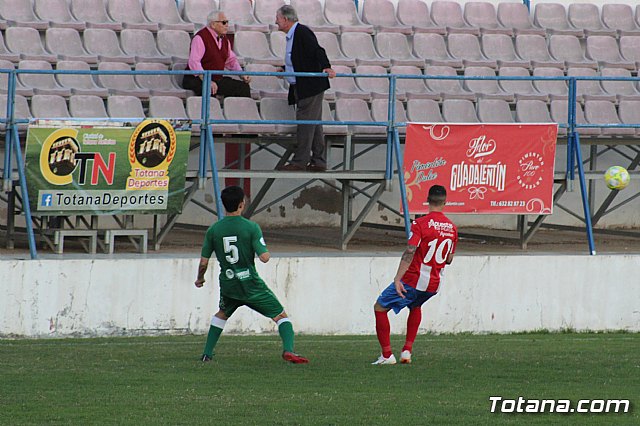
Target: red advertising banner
[{"x": 486, "y": 168}]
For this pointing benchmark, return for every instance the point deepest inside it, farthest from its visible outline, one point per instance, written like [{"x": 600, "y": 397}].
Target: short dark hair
[
  {"x": 231, "y": 197},
  {"x": 437, "y": 195}
]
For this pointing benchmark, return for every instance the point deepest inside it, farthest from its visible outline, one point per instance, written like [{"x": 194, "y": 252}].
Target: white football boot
[
  {"x": 385, "y": 361},
  {"x": 405, "y": 357}
]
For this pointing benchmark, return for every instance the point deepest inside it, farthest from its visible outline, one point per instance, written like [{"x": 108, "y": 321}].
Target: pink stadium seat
[
  {"x": 516, "y": 15},
  {"x": 129, "y": 12},
  {"x": 381, "y": 14},
  {"x": 19, "y": 13},
  {"x": 416, "y": 14},
  {"x": 586, "y": 17},
  {"x": 344, "y": 14},
  {"x": 448, "y": 14},
  {"x": 482, "y": 15},
  {"x": 94, "y": 13},
  {"x": 459, "y": 111},
  {"x": 553, "y": 17},
  {"x": 165, "y": 13},
  {"x": 310, "y": 12},
  {"x": 57, "y": 13},
  {"x": 87, "y": 106},
  {"x": 424, "y": 111}
]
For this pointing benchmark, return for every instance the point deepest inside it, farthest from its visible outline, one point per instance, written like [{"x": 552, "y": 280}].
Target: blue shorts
[{"x": 413, "y": 298}]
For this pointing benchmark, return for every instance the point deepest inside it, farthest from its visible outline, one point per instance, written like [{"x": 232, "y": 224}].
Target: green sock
[
  {"x": 212, "y": 339},
  {"x": 286, "y": 334}
]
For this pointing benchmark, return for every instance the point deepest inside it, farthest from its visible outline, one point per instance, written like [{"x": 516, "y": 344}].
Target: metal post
[
  {"x": 585, "y": 200},
  {"x": 571, "y": 133},
  {"x": 26, "y": 209},
  {"x": 204, "y": 115},
  {"x": 391, "y": 116},
  {"x": 11, "y": 95},
  {"x": 403, "y": 189}
]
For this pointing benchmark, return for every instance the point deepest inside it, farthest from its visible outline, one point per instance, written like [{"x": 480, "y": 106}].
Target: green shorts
[{"x": 264, "y": 302}]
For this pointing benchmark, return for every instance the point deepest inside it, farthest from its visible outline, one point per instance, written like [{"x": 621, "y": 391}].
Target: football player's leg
[
  {"x": 387, "y": 300},
  {"x": 218, "y": 321},
  {"x": 413, "y": 322}
]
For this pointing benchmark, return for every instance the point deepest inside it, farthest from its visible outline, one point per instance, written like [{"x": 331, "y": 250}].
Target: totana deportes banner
[
  {"x": 486, "y": 168},
  {"x": 101, "y": 167}
]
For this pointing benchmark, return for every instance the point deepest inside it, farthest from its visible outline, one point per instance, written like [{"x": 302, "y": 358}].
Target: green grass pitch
[{"x": 159, "y": 380}]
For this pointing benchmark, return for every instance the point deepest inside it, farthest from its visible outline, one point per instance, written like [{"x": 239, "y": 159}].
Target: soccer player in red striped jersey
[{"x": 432, "y": 243}]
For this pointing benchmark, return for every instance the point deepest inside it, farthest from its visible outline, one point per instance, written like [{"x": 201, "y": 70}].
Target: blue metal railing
[{"x": 207, "y": 153}]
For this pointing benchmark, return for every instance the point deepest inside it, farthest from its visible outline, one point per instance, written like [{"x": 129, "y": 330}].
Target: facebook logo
[{"x": 46, "y": 200}]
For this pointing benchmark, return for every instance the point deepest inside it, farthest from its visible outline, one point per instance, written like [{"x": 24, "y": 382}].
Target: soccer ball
[{"x": 617, "y": 177}]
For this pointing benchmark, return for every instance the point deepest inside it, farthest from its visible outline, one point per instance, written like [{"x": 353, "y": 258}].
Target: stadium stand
[
  {"x": 534, "y": 111},
  {"x": 278, "y": 43},
  {"x": 49, "y": 106},
  {"x": 412, "y": 88},
  {"x": 265, "y": 12},
  {"x": 357, "y": 110},
  {"x": 331, "y": 45},
  {"x": 42, "y": 84},
  {"x": 604, "y": 112},
  {"x": 415, "y": 13},
  {"x": 21, "y": 111},
  {"x": 19, "y": 13},
  {"x": 344, "y": 14},
  {"x": 483, "y": 16},
  {"x": 174, "y": 44},
  {"x": 87, "y": 106},
  {"x": 449, "y": 14},
  {"x": 494, "y": 111},
  {"x": 26, "y": 42},
  {"x": 622, "y": 89},
  {"x": 553, "y": 17},
  {"x": 142, "y": 45},
  {"x": 310, "y": 12},
  {"x": 194, "y": 112},
  {"x": 278, "y": 109},
  {"x": 500, "y": 48},
  {"x": 196, "y": 11},
  {"x": 605, "y": 50},
  {"x": 268, "y": 85},
  {"x": 459, "y": 111},
  {"x": 345, "y": 87},
  {"x": 332, "y": 129},
  {"x": 448, "y": 89},
  {"x": 630, "y": 49},
  {"x": 424, "y": 110},
  {"x": 253, "y": 47},
  {"x": 559, "y": 114},
  {"x": 567, "y": 48},
  {"x": 21, "y": 90},
  {"x": 166, "y": 107},
  {"x": 556, "y": 89},
  {"x": 57, "y": 13},
  {"x": 586, "y": 17},
  {"x": 104, "y": 43},
  {"x": 381, "y": 14},
  {"x": 589, "y": 89},
  {"x": 246, "y": 109},
  {"x": 164, "y": 12},
  {"x": 120, "y": 84},
  {"x": 67, "y": 45},
  {"x": 522, "y": 89},
  {"x": 241, "y": 16},
  {"x": 158, "y": 84},
  {"x": 123, "y": 106},
  {"x": 619, "y": 17},
  {"x": 433, "y": 49},
  {"x": 466, "y": 47},
  {"x": 516, "y": 16},
  {"x": 486, "y": 89},
  {"x": 380, "y": 112},
  {"x": 129, "y": 13},
  {"x": 629, "y": 112},
  {"x": 378, "y": 87},
  {"x": 395, "y": 47},
  {"x": 80, "y": 84},
  {"x": 360, "y": 46},
  {"x": 533, "y": 48},
  {"x": 94, "y": 13},
  {"x": 5, "y": 54}
]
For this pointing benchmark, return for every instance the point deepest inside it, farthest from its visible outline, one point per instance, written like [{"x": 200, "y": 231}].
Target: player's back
[{"x": 438, "y": 237}]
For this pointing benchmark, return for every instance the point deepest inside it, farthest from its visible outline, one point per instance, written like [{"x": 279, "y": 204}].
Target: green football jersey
[{"x": 236, "y": 240}]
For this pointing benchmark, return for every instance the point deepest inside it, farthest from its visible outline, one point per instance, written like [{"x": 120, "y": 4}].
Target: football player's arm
[
  {"x": 202, "y": 269},
  {"x": 405, "y": 262},
  {"x": 264, "y": 257}
]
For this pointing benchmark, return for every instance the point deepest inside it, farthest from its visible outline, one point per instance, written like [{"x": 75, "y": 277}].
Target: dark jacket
[{"x": 308, "y": 56}]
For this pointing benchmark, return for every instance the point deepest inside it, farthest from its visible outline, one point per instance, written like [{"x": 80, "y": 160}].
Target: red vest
[{"x": 214, "y": 57}]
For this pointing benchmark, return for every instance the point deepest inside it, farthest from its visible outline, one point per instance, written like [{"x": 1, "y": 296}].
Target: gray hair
[
  {"x": 288, "y": 13},
  {"x": 213, "y": 16}
]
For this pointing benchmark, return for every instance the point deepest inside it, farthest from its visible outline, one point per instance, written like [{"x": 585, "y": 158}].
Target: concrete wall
[{"x": 323, "y": 295}]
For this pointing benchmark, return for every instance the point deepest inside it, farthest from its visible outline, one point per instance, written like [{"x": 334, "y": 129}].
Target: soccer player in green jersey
[{"x": 235, "y": 241}]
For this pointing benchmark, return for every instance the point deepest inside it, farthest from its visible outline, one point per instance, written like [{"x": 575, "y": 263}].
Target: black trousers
[{"x": 226, "y": 86}]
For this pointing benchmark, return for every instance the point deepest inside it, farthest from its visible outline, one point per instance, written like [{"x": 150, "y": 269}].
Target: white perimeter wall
[{"x": 325, "y": 295}]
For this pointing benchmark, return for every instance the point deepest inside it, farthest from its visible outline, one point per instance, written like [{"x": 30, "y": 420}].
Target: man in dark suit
[{"x": 304, "y": 54}]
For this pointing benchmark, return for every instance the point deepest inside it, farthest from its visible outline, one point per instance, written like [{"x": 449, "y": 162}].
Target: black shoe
[{"x": 205, "y": 358}]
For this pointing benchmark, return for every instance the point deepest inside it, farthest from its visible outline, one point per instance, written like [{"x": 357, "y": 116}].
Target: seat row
[
  {"x": 416, "y": 110},
  {"x": 370, "y": 82}
]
